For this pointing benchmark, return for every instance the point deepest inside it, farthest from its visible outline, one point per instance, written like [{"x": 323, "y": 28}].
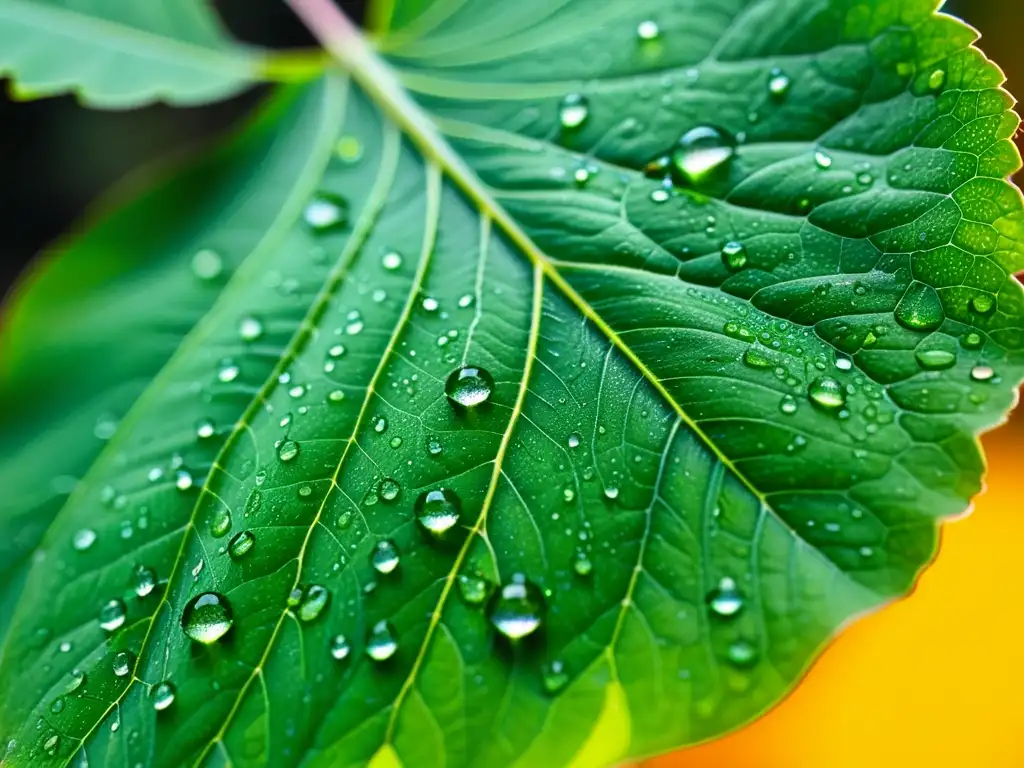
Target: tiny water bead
[
  {"x": 143, "y": 580},
  {"x": 250, "y": 328},
  {"x": 314, "y": 599},
  {"x": 778, "y": 83},
  {"x": 83, "y": 539},
  {"x": 381, "y": 644},
  {"x": 734, "y": 256},
  {"x": 207, "y": 618},
  {"x": 573, "y": 111},
  {"x": 517, "y": 608},
  {"x": 827, "y": 393},
  {"x": 788, "y": 405},
  {"x": 207, "y": 264},
  {"x": 163, "y": 695},
  {"x": 725, "y": 600},
  {"x": 982, "y": 373},
  {"x": 391, "y": 261},
  {"x": 438, "y": 511},
  {"x": 183, "y": 480},
  {"x": 112, "y": 615},
  {"x": 582, "y": 564},
  {"x": 469, "y": 387},
  {"x": 205, "y": 429},
  {"x": 971, "y": 340},
  {"x": 983, "y": 304},
  {"x": 822, "y": 160},
  {"x": 241, "y": 544},
  {"x": 288, "y": 450},
  {"x": 434, "y": 447},
  {"x": 227, "y": 372},
  {"x": 389, "y": 489},
  {"x": 700, "y": 154},
  {"x": 326, "y": 212},
  {"x": 385, "y": 557},
  {"x": 574, "y": 440},
  {"x": 742, "y": 653},
  {"x": 123, "y": 663},
  {"x": 935, "y": 359},
  {"x": 472, "y": 589},
  {"x": 648, "y": 30},
  {"x": 340, "y": 648},
  {"x": 554, "y": 676},
  {"x": 920, "y": 309}
]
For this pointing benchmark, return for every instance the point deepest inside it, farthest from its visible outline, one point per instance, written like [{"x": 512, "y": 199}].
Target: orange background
[{"x": 933, "y": 680}]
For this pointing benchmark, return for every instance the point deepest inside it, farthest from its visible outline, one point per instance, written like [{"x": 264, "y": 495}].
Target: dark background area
[{"x": 58, "y": 157}]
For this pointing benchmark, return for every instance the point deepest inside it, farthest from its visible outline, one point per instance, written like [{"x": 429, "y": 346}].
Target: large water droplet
[
  {"x": 326, "y": 212},
  {"x": 389, "y": 489},
  {"x": 241, "y": 544},
  {"x": 827, "y": 393},
  {"x": 517, "y": 608},
  {"x": 982, "y": 373},
  {"x": 920, "y": 309},
  {"x": 734, "y": 256},
  {"x": 385, "y": 557},
  {"x": 163, "y": 695},
  {"x": 221, "y": 522},
  {"x": 314, "y": 600},
  {"x": 755, "y": 357},
  {"x": 822, "y": 160},
  {"x": 123, "y": 662},
  {"x": 340, "y": 648},
  {"x": 207, "y": 618},
  {"x": 573, "y": 111},
  {"x": 438, "y": 511},
  {"x": 701, "y": 153},
  {"x": 983, "y": 304},
  {"x": 288, "y": 450},
  {"x": 935, "y": 359},
  {"x": 725, "y": 600},
  {"x": 469, "y": 387},
  {"x": 112, "y": 615}
]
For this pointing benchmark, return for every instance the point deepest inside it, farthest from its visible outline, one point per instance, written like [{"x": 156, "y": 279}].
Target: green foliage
[
  {"x": 555, "y": 410},
  {"x": 113, "y": 53}
]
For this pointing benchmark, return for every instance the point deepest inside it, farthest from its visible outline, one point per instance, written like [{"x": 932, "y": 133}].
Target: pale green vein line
[{"x": 481, "y": 521}]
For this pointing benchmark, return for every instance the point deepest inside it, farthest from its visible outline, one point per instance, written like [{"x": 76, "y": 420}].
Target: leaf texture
[
  {"x": 705, "y": 463},
  {"x": 117, "y": 54}
]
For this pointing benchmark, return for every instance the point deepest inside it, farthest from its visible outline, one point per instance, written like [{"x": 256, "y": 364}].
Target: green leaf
[
  {"x": 118, "y": 54},
  {"x": 727, "y": 397}
]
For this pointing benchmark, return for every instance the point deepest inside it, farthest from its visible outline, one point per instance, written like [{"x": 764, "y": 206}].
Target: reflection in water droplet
[
  {"x": 385, "y": 557},
  {"x": 827, "y": 393},
  {"x": 207, "y": 618},
  {"x": 123, "y": 662},
  {"x": 788, "y": 405},
  {"x": 935, "y": 359},
  {"x": 288, "y": 450},
  {"x": 822, "y": 160},
  {"x": 389, "y": 489},
  {"x": 734, "y": 256},
  {"x": 326, "y": 212},
  {"x": 469, "y": 387},
  {"x": 438, "y": 511},
  {"x": 920, "y": 309},
  {"x": 112, "y": 615},
  {"x": 517, "y": 608},
  {"x": 755, "y": 357},
  {"x": 554, "y": 676},
  {"x": 381, "y": 645},
  {"x": 241, "y": 544},
  {"x": 700, "y": 154},
  {"x": 647, "y": 30},
  {"x": 314, "y": 600},
  {"x": 340, "y": 648},
  {"x": 205, "y": 429},
  {"x": 163, "y": 695},
  {"x": 725, "y": 600},
  {"x": 573, "y": 111}
]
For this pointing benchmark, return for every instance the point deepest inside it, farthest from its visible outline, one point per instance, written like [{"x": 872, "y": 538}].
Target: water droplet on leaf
[
  {"x": 469, "y": 387},
  {"x": 381, "y": 645},
  {"x": 827, "y": 393},
  {"x": 112, "y": 615},
  {"x": 438, "y": 511},
  {"x": 326, "y": 212},
  {"x": 573, "y": 111},
  {"x": 241, "y": 544},
  {"x": 207, "y": 618},
  {"x": 725, "y": 600},
  {"x": 384, "y": 557},
  {"x": 517, "y": 608},
  {"x": 163, "y": 695}
]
